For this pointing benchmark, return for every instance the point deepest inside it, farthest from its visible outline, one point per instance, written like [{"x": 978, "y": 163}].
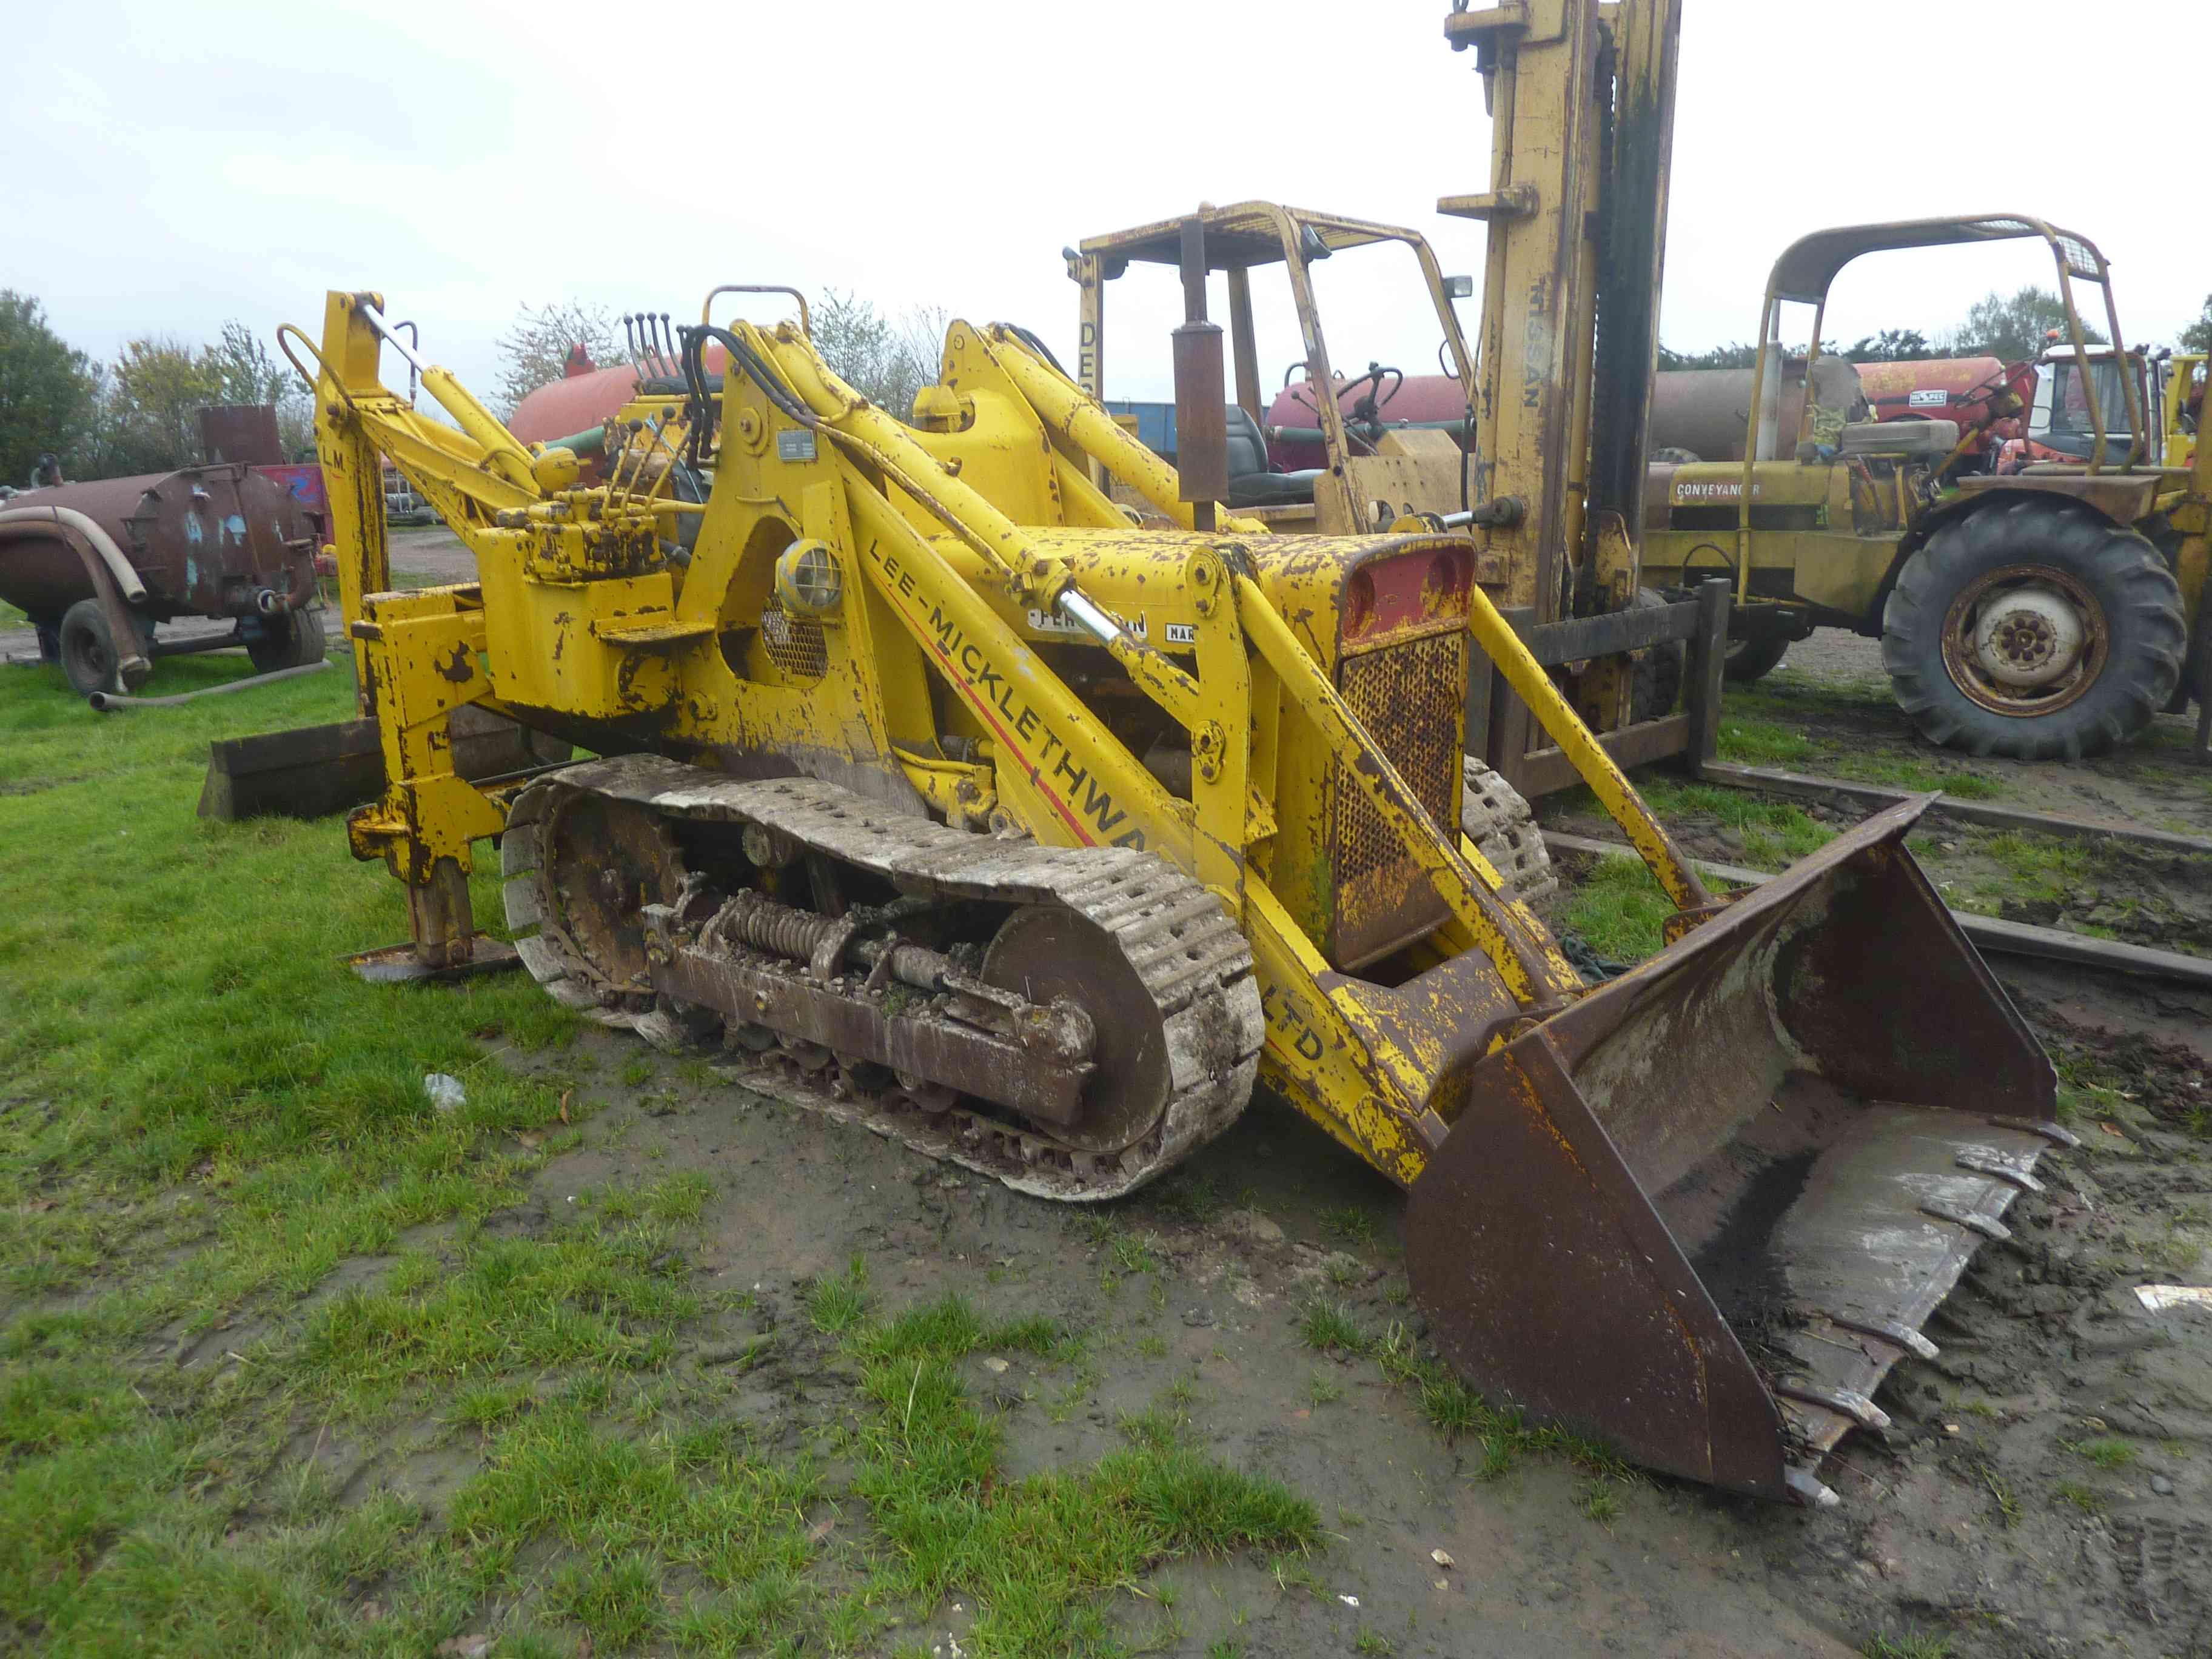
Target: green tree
[
  {"x": 1891, "y": 345},
  {"x": 46, "y": 391},
  {"x": 244, "y": 370},
  {"x": 1735, "y": 355},
  {"x": 886, "y": 360},
  {"x": 151, "y": 412},
  {"x": 2015, "y": 327},
  {"x": 535, "y": 351},
  {"x": 2197, "y": 336}
]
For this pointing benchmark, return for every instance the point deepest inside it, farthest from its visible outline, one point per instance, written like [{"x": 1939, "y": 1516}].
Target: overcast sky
[{"x": 173, "y": 166}]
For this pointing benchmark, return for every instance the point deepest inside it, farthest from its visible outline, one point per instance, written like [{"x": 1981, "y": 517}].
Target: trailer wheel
[
  {"x": 88, "y": 649},
  {"x": 290, "y": 638},
  {"x": 2036, "y": 629},
  {"x": 1755, "y": 656}
]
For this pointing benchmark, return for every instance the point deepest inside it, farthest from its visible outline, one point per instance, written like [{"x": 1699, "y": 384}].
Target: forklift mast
[{"x": 1581, "y": 95}]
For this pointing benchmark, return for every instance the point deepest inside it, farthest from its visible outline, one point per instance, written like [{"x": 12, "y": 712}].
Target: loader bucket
[{"x": 1700, "y": 1213}]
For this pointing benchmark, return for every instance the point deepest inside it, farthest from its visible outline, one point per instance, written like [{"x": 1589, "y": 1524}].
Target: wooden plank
[
  {"x": 1705, "y": 662},
  {"x": 1836, "y": 792},
  {"x": 300, "y": 746},
  {"x": 1989, "y": 933},
  {"x": 1613, "y": 631},
  {"x": 306, "y": 773},
  {"x": 1548, "y": 771}
]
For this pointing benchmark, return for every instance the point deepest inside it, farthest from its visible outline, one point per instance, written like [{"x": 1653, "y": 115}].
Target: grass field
[{"x": 207, "y": 1127}]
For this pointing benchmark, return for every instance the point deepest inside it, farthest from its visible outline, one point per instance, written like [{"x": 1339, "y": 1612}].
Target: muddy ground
[
  {"x": 2151, "y": 782},
  {"x": 1985, "y": 1517}
]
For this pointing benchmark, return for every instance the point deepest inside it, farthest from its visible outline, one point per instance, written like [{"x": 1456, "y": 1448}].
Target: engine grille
[
  {"x": 1411, "y": 697},
  {"x": 793, "y": 644}
]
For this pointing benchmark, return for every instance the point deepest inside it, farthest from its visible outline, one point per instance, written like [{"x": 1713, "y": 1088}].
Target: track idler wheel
[
  {"x": 1044, "y": 953},
  {"x": 581, "y": 866}
]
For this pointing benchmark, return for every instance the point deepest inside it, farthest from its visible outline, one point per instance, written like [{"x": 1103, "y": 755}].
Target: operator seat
[
  {"x": 1250, "y": 482},
  {"x": 1906, "y": 437}
]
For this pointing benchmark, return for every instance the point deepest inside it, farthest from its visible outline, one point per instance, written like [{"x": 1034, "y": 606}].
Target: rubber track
[{"x": 1187, "y": 951}]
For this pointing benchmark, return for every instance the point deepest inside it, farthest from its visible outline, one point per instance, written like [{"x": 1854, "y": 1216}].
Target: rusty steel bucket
[{"x": 1701, "y": 1213}]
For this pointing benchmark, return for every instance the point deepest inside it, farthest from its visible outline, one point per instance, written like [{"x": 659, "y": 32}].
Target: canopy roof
[
  {"x": 1809, "y": 264},
  {"x": 1244, "y": 233}
]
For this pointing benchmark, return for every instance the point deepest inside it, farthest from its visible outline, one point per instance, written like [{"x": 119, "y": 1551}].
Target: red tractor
[{"x": 1983, "y": 395}]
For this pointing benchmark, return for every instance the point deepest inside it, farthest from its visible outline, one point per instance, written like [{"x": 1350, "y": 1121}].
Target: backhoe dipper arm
[{"x": 414, "y": 655}]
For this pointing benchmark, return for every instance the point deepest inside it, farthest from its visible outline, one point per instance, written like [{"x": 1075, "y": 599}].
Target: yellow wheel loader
[{"x": 947, "y": 801}]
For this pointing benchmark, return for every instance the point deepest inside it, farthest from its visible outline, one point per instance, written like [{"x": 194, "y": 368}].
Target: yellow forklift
[{"x": 1543, "y": 467}]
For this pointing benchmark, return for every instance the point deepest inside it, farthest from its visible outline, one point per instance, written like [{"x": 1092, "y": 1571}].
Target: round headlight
[{"x": 809, "y": 580}]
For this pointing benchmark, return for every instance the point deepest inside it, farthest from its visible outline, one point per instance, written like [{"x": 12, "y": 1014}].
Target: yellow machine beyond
[{"x": 952, "y": 804}]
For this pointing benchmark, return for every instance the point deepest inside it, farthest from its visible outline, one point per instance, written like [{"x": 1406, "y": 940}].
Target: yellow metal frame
[
  {"x": 2180, "y": 374},
  {"x": 1834, "y": 569},
  {"x": 968, "y": 552}
]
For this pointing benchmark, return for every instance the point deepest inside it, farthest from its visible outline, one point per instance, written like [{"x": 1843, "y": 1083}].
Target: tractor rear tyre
[
  {"x": 1755, "y": 656},
  {"x": 2196, "y": 681},
  {"x": 88, "y": 649},
  {"x": 2037, "y": 629},
  {"x": 290, "y": 638}
]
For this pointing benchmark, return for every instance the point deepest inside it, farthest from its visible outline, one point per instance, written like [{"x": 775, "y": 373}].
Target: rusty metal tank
[
  {"x": 1950, "y": 389},
  {"x": 584, "y": 397},
  {"x": 1419, "y": 398},
  {"x": 225, "y": 540},
  {"x": 1702, "y": 412},
  {"x": 1930, "y": 389},
  {"x": 1705, "y": 412}
]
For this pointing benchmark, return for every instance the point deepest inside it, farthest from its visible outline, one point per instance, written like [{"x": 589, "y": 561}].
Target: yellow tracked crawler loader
[{"x": 949, "y": 802}]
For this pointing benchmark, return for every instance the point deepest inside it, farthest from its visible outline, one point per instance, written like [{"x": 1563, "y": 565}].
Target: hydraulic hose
[
  {"x": 111, "y": 702},
  {"x": 69, "y": 517},
  {"x": 1034, "y": 344}
]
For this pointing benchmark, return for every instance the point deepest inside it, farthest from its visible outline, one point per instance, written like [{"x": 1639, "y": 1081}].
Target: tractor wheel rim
[{"x": 2025, "y": 640}]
